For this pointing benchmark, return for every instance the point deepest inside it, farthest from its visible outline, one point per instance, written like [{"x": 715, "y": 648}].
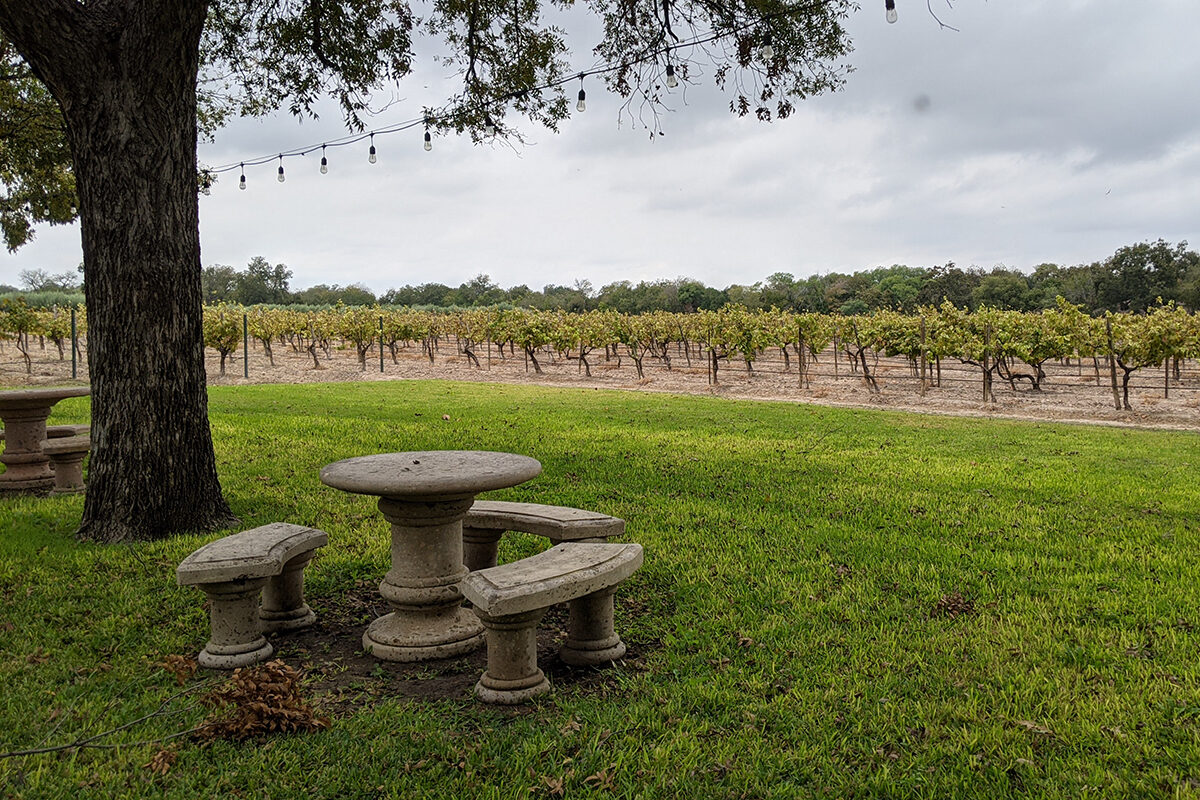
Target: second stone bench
[
  {"x": 488, "y": 520},
  {"x": 233, "y": 571},
  {"x": 511, "y": 599}
]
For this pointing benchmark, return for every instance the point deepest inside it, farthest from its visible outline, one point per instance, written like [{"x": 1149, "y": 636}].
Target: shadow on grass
[{"x": 344, "y": 678}]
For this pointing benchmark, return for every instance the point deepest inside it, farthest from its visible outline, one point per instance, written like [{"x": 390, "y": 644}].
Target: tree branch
[
  {"x": 937, "y": 19},
  {"x": 91, "y": 741},
  {"x": 318, "y": 43},
  {"x": 44, "y": 33}
]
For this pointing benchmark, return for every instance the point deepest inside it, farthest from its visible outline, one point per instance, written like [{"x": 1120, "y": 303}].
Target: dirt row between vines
[{"x": 1070, "y": 393}]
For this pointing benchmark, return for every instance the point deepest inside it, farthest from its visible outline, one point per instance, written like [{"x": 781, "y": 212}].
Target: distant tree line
[{"x": 1132, "y": 279}]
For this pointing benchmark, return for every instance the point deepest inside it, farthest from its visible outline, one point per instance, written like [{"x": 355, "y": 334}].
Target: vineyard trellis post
[
  {"x": 381, "y": 344},
  {"x": 836, "y": 346},
  {"x": 799, "y": 356},
  {"x": 74, "y": 347},
  {"x": 924, "y": 364},
  {"x": 245, "y": 346},
  {"x": 987, "y": 371}
]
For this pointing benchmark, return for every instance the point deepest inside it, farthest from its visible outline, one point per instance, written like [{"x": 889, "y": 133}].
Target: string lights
[
  {"x": 890, "y": 5},
  {"x": 490, "y": 128},
  {"x": 768, "y": 49}
]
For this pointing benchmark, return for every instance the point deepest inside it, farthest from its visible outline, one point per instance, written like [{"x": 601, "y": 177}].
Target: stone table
[
  {"x": 24, "y": 412},
  {"x": 425, "y": 495}
]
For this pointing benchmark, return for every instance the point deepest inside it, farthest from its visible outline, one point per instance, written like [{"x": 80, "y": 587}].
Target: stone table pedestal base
[{"x": 422, "y": 586}]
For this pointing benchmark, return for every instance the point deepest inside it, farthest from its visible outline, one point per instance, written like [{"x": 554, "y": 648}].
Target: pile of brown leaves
[
  {"x": 181, "y": 668},
  {"x": 953, "y": 605},
  {"x": 267, "y": 698}
]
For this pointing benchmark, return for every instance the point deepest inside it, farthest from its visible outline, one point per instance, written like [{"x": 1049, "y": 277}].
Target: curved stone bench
[
  {"x": 233, "y": 570},
  {"x": 66, "y": 455},
  {"x": 510, "y": 599},
  {"x": 59, "y": 431},
  {"x": 488, "y": 520}
]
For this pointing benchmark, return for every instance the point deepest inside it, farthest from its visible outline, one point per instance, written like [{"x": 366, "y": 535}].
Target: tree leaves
[{"x": 35, "y": 163}]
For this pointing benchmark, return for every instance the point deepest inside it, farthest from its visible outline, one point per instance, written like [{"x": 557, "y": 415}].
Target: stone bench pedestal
[
  {"x": 512, "y": 674},
  {"x": 237, "y": 633},
  {"x": 592, "y": 640},
  {"x": 283, "y": 607}
]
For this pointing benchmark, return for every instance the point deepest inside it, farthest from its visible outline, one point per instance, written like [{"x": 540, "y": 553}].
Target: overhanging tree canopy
[{"x": 125, "y": 76}]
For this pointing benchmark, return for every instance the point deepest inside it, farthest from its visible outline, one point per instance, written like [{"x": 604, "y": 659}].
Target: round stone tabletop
[
  {"x": 33, "y": 398},
  {"x": 430, "y": 474}
]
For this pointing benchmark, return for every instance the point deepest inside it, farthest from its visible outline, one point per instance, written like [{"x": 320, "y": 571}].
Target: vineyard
[{"x": 1102, "y": 367}]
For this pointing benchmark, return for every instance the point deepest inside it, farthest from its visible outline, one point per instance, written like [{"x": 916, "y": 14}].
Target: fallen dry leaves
[
  {"x": 258, "y": 700},
  {"x": 180, "y": 667},
  {"x": 953, "y": 605},
  {"x": 161, "y": 762},
  {"x": 1033, "y": 727}
]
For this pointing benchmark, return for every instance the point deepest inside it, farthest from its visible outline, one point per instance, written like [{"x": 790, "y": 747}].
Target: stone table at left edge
[{"x": 24, "y": 413}]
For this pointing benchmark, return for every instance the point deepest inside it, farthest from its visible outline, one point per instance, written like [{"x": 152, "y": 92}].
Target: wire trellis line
[{"x": 427, "y": 120}]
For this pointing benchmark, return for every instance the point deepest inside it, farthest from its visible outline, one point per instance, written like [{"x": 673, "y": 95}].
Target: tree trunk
[{"x": 124, "y": 74}]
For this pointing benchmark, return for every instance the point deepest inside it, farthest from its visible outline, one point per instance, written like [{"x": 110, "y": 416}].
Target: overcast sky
[{"x": 1049, "y": 131}]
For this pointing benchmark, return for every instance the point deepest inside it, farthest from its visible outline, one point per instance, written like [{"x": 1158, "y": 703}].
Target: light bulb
[
  {"x": 428, "y": 141},
  {"x": 281, "y": 179},
  {"x": 242, "y": 180},
  {"x": 767, "y": 53},
  {"x": 890, "y": 5},
  {"x": 324, "y": 161},
  {"x": 489, "y": 127},
  {"x": 672, "y": 81},
  {"x": 582, "y": 104},
  {"x": 371, "y": 155}
]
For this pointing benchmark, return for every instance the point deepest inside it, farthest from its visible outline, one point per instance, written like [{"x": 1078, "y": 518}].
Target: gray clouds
[{"x": 1049, "y": 132}]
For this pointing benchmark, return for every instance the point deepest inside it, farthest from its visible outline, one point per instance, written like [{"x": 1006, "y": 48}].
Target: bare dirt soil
[
  {"x": 344, "y": 677},
  {"x": 1071, "y": 393}
]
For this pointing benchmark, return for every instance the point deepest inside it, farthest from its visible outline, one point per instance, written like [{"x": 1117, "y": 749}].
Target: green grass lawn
[{"x": 788, "y": 619}]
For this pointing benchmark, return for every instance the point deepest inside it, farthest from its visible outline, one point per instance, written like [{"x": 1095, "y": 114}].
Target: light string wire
[{"x": 426, "y": 119}]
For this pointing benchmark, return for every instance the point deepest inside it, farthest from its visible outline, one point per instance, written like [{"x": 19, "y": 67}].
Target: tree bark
[{"x": 124, "y": 74}]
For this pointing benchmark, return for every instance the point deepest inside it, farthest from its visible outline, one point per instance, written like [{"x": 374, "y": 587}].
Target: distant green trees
[
  {"x": 1132, "y": 279},
  {"x": 263, "y": 283}
]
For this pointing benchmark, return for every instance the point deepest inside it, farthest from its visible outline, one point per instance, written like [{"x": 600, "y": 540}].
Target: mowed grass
[{"x": 787, "y": 613}]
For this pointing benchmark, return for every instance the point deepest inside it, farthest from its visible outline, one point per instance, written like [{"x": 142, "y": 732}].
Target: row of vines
[{"x": 1007, "y": 346}]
